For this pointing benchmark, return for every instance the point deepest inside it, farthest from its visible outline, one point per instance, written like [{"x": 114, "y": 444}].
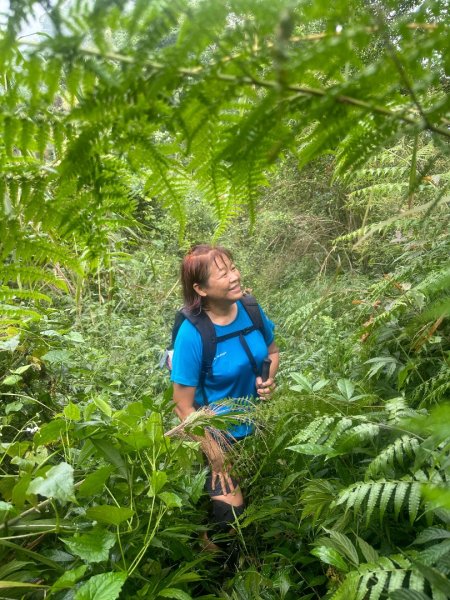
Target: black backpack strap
[
  {"x": 252, "y": 307},
  {"x": 205, "y": 327},
  {"x": 179, "y": 318},
  {"x": 249, "y": 354}
]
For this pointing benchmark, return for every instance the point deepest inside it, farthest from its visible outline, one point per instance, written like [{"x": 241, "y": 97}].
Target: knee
[{"x": 224, "y": 515}]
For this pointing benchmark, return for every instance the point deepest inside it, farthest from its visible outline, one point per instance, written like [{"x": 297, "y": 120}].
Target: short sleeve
[
  {"x": 269, "y": 327},
  {"x": 187, "y": 356}
]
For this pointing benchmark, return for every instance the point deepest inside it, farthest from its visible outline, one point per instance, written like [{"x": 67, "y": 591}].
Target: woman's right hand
[{"x": 220, "y": 474}]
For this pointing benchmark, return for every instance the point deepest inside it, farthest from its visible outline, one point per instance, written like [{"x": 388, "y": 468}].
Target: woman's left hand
[{"x": 265, "y": 388}]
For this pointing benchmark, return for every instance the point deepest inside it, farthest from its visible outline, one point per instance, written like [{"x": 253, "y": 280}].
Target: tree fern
[{"x": 206, "y": 93}]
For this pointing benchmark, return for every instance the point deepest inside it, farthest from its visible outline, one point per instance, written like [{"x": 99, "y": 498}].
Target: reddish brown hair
[{"x": 195, "y": 268}]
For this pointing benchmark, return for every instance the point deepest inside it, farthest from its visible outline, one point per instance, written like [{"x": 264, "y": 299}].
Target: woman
[{"x": 212, "y": 283}]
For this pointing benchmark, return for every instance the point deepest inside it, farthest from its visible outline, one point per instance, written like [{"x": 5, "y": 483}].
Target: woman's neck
[{"x": 222, "y": 314}]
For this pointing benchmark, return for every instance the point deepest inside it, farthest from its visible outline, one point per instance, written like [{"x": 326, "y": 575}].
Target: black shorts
[{"x": 217, "y": 490}]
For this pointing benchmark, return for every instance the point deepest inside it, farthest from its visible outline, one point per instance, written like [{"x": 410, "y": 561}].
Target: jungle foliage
[{"x": 310, "y": 138}]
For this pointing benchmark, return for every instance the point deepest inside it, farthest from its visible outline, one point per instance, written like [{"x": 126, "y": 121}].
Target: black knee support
[{"x": 224, "y": 515}]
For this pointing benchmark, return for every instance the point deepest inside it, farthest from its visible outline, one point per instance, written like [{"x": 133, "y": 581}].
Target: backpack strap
[
  {"x": 252, "y": 307},
  {"x": 205, "y": 327},
  {"x": 179, "y": 318}
]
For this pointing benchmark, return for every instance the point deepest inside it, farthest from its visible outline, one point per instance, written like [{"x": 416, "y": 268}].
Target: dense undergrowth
[
  {"x": 344, "y": 242},
  {"x": 341, "y": 479}
]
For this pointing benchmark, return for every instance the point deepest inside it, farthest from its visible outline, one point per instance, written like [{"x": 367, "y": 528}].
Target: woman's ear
[{"x": 200, "y": 291}]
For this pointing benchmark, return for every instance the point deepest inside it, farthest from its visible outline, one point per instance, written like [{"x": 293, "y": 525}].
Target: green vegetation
[{"x": 311, "y": 139}]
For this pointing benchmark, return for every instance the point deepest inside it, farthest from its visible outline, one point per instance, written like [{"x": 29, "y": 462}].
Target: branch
[
  {"x": 423, "y": 124},
  {"x": 343, "y": 99}
]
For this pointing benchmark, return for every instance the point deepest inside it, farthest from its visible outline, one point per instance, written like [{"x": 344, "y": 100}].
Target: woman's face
[{"x": 224, "y": 281}]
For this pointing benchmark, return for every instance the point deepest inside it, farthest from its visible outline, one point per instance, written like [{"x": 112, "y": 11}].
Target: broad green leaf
[
  {"x": 174, "y": 593},
  {"x": 50, "y": 333},
  {"x": 11, "y": 380},
  {"x": 289, "y": 480},
  {"x": 171, "y": 499},
  {"x": 134, "y": 409},
  {"x": 13, "y": 407},
  {"x": 136, "y": 439},
  {"x": 346, "y": 387},
  {"x": 112, "y": 455},
  {"x": 21, "y": 369},
  {"x": 157, "y": 481},
  {"x": 60, "y": 357},
  {"x": 197, "y": 485},
  {"x": 57, "y": 483},
  {"x": 92, "y": 547},
  {"x": 154, "y": 426},
  {"x": 69, "y": 578},
  {"x": 72, "y": 412},
  {"x": 434, "y": 553},
  {"x": 74, "y": 336},
  {"x": 113, "y": 515},
  {"x": 94, "y": 482},
  {"x": 15, "y": 448},
  {"x": 10, "y": 344},
  {"x": 102, "y": 405},
  {"x": 106, "y": 586},
  {"x": 50, "y": 432},
  {"x": 330, "y": 556}
]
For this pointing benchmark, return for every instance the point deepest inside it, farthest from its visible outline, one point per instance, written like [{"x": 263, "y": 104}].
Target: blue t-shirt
[{"x": 232, "y": 374}]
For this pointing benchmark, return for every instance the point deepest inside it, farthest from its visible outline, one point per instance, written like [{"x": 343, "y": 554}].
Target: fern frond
[
  {"x": 430, "y": 556},
  {"x": 352, "y": 438},
  {"x": 401, "y": 578},
  {"x": 393, "y": 455},
  {"x": 408, "y": 595},
  {"x": 314, "y": 431},
  {"x": 316, "y": 498},
  {"x": 372, "y": 579},
  {"x": 366, "y": 496},
  {"x": 8, "y": 294},
  {"x": 342, "y": 543},
  {"x": 431, "y": 534}
]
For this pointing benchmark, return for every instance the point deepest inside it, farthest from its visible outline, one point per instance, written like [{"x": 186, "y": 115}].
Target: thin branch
[
  {"x": 273, "y": 85},
  {"x": 341, "y": 98},
  {"x": 398, "y": 64}
]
